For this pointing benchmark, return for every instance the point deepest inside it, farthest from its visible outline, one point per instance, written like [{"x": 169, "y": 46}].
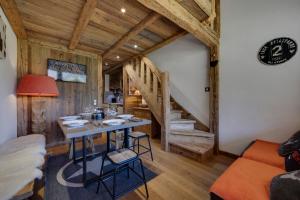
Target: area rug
[{"x": 63, "y": 179}]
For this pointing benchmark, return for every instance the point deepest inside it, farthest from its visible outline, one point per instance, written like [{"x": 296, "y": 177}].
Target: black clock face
[{"x": 277, "y": 51}]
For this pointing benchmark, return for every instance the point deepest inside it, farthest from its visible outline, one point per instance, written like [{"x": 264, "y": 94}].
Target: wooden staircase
[
  {"x": 181, "y": 132},
  {"x": 185, "y": 139}
]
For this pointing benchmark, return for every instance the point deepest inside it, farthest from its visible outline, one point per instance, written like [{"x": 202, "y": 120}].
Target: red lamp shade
[{"x": 34, "y": 85}]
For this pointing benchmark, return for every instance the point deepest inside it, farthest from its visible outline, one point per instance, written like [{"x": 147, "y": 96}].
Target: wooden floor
[{"x": 178, "y": 177}]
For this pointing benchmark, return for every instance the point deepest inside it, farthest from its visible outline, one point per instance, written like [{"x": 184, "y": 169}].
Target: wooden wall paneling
[
  {"x": 74, "y": 97},
  {"x": 22, "y": 101}
]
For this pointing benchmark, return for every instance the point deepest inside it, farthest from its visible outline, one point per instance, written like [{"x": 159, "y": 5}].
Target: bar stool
[
  {"x": 137, "y": 135},
  {"x": 121, "y": 159}
]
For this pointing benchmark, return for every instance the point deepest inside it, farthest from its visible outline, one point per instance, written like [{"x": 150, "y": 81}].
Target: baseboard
[{"x": 231, "y": 155}]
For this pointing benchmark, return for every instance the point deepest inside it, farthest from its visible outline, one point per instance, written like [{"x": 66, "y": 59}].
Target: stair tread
[
  {"x": 176, "y": 111},
  {"x": 194, "y": 132},
  {"x": 183, "y": 121},
  {"x": 194, "y": 147}
]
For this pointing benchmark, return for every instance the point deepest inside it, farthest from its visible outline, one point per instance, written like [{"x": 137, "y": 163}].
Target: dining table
[{"x": 93, "y": 128}]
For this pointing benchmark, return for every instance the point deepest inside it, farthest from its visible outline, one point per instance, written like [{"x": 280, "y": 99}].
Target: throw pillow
[
  {"x": 286, "y": 186},
  {"x": 290, "y": 145}
]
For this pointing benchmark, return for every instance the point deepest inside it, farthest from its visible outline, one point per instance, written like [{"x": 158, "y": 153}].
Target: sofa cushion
[
  {"x": 245, "y": 180},
  {"x": 266, "y": 152},
  {"x": 286, "y": 186}
]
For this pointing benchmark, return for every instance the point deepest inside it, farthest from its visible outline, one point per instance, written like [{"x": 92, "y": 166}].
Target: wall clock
[{"x": 277, "y": 51}]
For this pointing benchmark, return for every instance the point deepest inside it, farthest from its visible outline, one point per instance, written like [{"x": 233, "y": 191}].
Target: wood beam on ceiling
[
  {"x": 149, "y": 19},
  {"x": 205, "y": 5},
  {"x": 155, "y": 47},
  {"x": 12, "y": 13},
  {"x": 165, "y": 42},
  {"x": 85, "y": 16},
  {"x": 183, "y": 18}
]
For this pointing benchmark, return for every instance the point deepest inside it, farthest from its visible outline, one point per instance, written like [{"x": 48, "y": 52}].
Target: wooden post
[
  {"x": 100, "y": 81},
  {"x": 214, "y": 95},
  {"x": 125, "y": 88},
  {"x": 22, "y": 101},
  {"x": 214, "y": 81},
  {"x": 165, "y": 111}
]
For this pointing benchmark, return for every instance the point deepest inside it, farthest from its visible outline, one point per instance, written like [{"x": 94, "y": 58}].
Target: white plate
[
  {"x": 114, "y": 122},
  {"x": 125, "y": 116},
  {"x": 69, "y": 118},
  {"x": 75, "y": 122},
  {"x": 75, "y": 125}
]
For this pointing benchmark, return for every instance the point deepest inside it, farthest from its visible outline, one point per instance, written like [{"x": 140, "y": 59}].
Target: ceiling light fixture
[
  {"x": 123, "y": 10},
  {"x": 135, "y": 46},
  {"x": 118, "y": 57},
  {"x": 106, "y": 64}
]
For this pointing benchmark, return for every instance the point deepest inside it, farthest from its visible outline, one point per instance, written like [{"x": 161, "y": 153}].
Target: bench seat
[
  {"x": 245, "y": 179},
  {"x": 265, "y": 152}
]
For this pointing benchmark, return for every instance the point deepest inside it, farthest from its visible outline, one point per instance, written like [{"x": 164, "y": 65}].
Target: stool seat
[
  {"x": 121, "y": 156},
  {"x": 137, "y": 134}
]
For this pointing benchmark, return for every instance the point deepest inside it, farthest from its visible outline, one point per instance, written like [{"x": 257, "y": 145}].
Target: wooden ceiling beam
[
  {"x": 85, "y": 16},
  {"x": 155, "y": 47},
  {"x": 12, "y": 13},
  {"x": 165, "y": 42},
  {"x": 183, "y": 18},
  {"x": 149, "y": 19},
  {"x": 205, "y": 5}
]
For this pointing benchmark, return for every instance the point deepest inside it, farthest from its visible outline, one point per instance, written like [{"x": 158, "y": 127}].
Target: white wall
[
  {"x": 186, "y": 60},
  {"x": 257, "y": 101},
  {"x": 8, "y": 77}
]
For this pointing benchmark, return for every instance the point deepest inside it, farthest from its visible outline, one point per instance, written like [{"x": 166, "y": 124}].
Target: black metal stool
[
  {"x": 121, "y": 159},
  {"x": 136, "y": 135}
]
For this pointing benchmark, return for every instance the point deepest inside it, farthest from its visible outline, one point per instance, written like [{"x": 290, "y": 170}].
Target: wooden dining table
[{"x": 91, "y": 129}]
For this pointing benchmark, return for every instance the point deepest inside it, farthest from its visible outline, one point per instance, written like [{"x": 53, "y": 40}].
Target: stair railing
[{"x": 154, "y": 87}]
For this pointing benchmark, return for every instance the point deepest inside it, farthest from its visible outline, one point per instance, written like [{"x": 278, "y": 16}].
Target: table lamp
[{"x": 38, "y": 86}]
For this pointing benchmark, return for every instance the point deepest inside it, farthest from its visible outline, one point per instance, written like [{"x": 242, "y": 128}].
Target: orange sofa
[{"x": 249, "y": 177}]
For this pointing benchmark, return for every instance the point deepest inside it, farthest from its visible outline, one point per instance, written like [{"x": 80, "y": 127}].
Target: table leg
[
  {"x": 74, "y": 150},
  {"x": 84, "y": 161},
  {"x": 126, "y": 137},
  {"x": 108, "y": 141}
]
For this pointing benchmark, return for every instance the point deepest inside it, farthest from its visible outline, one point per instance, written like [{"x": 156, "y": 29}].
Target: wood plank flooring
[{"x": 179, "y": 178}]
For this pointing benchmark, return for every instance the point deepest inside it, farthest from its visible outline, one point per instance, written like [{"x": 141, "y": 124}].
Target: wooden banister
[{"x": 154, "y": 87}]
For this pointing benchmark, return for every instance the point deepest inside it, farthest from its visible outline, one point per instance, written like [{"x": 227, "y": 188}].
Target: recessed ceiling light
[
  {"x": 106, "y": 64},
  {"x": 135, "y": 46},
  {"x": 118, "y": 57},
  {"x": 123, "y": 10}
]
